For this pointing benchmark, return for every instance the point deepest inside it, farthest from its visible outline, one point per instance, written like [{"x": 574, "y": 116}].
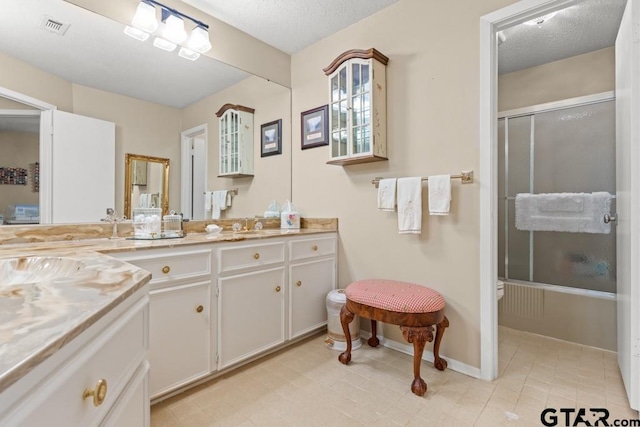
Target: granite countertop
[{"x": 37, "y": 319}]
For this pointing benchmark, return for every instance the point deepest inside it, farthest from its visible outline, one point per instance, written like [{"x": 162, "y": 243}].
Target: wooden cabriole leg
[
  {"x": 438, "y": 362},
  {"x": 374, "y": 341},
  {"x": 419, "y": 337},
  {"x": 346, "y": 317}
]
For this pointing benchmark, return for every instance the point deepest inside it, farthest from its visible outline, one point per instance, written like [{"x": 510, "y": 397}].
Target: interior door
[
  {"x": 628, "y": 199},
  {"x": 82, "y": 168},
  {"x": 199, "y": 176}
]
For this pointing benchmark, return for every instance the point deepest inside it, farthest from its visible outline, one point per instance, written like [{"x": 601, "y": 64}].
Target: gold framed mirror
[{"x": 146, "y": 183}]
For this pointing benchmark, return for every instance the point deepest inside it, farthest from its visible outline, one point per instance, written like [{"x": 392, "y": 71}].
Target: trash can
[{"x": 336, "y": 339}]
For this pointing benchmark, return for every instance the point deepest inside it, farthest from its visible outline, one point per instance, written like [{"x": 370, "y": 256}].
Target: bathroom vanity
[{"x": 144, "y": 319}]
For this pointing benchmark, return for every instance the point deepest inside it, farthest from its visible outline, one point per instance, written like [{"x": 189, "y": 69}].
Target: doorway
[
  {"x": 194, "y": 179},
  {"x": 627, "y": 161}
]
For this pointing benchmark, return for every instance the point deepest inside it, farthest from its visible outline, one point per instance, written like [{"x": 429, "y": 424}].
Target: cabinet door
[
  {"x": 251, "y": 310},
  {"x": 339, "y": 130},
  {"x": 179, "y": 334},
  {"x": 310, "y": 283}
]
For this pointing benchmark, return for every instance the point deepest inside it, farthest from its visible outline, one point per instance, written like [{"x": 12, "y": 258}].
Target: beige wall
[
  {"x": 31, "y": 81},
  {"x": 432, "y": 125},
  {"x": 272, "y": 174},
  {"x": 141, "y": 128},
  {"x": 18, "y": 150},
  {"x": 585, "y": 74}
]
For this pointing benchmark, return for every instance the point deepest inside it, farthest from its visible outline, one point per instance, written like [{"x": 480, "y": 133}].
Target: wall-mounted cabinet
[
  {"x": 236, "y": 140},
  {"x": 357, "y": 107}
]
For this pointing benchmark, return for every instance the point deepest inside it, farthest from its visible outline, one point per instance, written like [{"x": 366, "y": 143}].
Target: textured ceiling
[
  {"x": 290, "y": 25},
  {"x": 95, "y": 52},
  {"x": 584, "y": 27}
]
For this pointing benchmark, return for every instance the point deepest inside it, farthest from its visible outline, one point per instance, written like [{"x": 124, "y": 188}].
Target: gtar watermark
[{"x": 583, "y": 417}]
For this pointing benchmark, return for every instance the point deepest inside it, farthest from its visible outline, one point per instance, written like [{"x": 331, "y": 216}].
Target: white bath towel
[
  {"x": 565, "y": 212},
  {"x": 439, "y": 194},
  {"x": 387, "y": 194},
  {"x": 409, "y": 205}
]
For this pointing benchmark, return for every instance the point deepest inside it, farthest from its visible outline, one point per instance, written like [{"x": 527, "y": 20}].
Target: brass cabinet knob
[
  {"x": 314, "y": 247},
  {"x": 199, "y": 309},
  {"x": 278, "y": 288},
  {"x": 166, "y": 269},
  {"x": 256, "y": 255},
  {"x": 299, "y": 283},
  {"x": 99, "y": 393}
]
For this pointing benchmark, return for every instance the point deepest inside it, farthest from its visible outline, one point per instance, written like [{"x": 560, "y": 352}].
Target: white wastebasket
[{"x": 336, "y": 339}]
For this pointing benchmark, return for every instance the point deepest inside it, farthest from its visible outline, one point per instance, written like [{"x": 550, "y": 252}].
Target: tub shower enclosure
[{"x": 556, "y": 281}]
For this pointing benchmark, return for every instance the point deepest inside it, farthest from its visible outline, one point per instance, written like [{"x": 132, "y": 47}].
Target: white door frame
[
  {"x": 185, "y": 169},
  {"x": 490, "y": 24},
  {"x": 46, "y": 156}
]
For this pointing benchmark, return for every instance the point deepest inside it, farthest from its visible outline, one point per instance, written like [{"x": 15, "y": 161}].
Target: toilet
[{"x": 500, "y": 289}]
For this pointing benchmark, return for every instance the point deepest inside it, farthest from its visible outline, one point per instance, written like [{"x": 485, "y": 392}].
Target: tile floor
[{"x": 305, "y": 385}]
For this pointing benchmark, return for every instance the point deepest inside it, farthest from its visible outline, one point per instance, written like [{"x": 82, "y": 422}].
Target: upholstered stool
[{"x": 415, "y": 308}]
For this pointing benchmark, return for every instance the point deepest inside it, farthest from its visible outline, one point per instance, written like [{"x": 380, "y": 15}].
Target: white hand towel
[
  {"x": 387, "y": 194},
  {"x": 207, "y": 200},
  {"x": 564, "y": 212},
  {"x": 216, "y": 205},
  {"x": 410, "y": 205},
  {"x": 223, "y": 198},
  {"x": 439, "y": 194}
]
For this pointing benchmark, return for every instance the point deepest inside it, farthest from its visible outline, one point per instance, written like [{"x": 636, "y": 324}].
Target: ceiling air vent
[{"x": 53, "y": 25}]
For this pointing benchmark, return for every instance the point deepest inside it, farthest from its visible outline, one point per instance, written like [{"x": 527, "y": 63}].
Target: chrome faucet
[{"x": 113, "y": 218}]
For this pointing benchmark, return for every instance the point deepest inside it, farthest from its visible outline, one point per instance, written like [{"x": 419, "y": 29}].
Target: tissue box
[{"x": 290, "y": 220}]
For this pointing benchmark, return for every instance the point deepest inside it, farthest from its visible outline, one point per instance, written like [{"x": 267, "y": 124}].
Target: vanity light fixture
[
  {"x": 145, "y": 17},
  {"x": 173, "y": 28},
  {"x": 172, "y": 32}
]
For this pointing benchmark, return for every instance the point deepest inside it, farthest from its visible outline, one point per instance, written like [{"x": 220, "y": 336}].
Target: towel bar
[{"x": 465, "y": 176}]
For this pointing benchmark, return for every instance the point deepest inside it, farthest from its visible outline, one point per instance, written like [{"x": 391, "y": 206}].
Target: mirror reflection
[
  {"x": 151, "y": 108},
  {"x": 146, "y": 183}
]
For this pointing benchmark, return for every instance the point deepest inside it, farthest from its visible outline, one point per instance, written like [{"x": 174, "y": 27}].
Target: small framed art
[
  {"x": 315, "y": 127},
  {"x": 271, "y": 138}
]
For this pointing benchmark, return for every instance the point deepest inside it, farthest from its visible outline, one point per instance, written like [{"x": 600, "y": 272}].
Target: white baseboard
[{"x": 427, "y": 355}]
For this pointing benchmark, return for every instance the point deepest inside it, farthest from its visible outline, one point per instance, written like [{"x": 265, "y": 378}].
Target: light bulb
[
  {"x": 145, "y": 17},
  {"x": 188, "y": 54},
  {"x": 199, "y": 40},
  {"x": 136, "y": 33},
  {"x": 174, "y": 29},
  {"x": 163, "y": 44}
]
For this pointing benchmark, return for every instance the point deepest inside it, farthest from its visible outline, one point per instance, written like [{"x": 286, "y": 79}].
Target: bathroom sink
[{"x": 23, "y": 270}]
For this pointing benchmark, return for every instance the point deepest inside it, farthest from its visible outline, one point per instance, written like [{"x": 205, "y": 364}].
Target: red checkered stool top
[
  {"x": 415, "y": 308},
  {"x": 395, "y": 296}
]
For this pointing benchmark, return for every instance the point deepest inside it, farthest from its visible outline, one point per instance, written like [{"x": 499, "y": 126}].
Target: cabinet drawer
[
  {"x": 175, "y": 266},
  {"x": 312, "y": 247},
  {"x": 246, "y": 256},
  {"x": 113, "y": 357}
]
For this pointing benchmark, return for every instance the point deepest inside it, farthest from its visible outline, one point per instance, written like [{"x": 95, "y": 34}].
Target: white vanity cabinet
[
  {"x": 96, "y": 379},
  {"x": 181, "y": 337},
  {"x": 357, "y": 107},
  {"x": 251, "y": 303},
  {"x": 235, "y": 132},
  {"x": 312, "y": 275}
]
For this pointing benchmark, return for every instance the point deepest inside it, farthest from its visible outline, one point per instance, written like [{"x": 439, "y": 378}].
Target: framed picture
[
  {"x": 271, "y": 138},
  {"x": 315, "y": 127}
]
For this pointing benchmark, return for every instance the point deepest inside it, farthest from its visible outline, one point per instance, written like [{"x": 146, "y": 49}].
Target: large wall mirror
[
  {"x": 146, "y": 183},
  {"x": 152, "y": 96}
]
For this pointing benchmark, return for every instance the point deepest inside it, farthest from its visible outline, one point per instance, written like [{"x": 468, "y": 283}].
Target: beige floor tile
[{"x": 306, "y": 385}]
